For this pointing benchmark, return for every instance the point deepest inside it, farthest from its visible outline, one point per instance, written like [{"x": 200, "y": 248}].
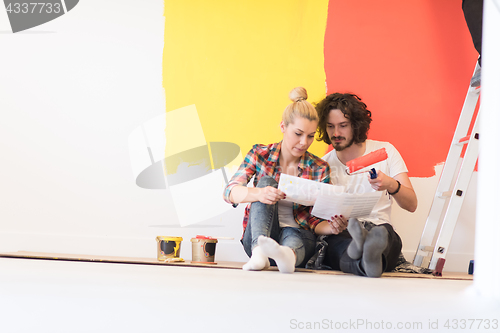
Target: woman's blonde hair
[{"x": 300, "y": 107}]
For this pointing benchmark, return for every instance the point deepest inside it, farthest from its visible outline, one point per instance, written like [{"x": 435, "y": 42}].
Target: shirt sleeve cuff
[{"x": 227, "y": 191}]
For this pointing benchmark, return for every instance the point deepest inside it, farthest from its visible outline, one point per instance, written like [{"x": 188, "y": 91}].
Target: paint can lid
[
  {"x": 204, "y": 237},
  {"x": 169, "y": 238}
]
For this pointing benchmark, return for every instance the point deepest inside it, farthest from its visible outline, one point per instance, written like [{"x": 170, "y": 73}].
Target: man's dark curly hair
[{"x": 353, "y": 109}]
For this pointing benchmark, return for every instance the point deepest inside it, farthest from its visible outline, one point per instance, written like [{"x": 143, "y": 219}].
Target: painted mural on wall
[
  {"x": 226, "y": 77},
  {"x": 237, "y": 61},
  {"x": 409, "y": 61},
  {"x": 229, "y": 65}
]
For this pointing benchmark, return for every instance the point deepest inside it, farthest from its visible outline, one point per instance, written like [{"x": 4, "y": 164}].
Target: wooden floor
[{"x": 224, "y": 264}]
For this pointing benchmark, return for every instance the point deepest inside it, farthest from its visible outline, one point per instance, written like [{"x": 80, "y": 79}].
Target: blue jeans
[{"x": 263, "y": 220}]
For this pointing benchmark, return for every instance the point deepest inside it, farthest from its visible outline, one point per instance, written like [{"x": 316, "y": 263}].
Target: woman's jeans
[{"x": 263, "y": 220}]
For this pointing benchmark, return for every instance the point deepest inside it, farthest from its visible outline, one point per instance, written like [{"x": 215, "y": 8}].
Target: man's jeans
[
  {"x": 263, "y": 220},
  {"x": 336, "y": 254}
]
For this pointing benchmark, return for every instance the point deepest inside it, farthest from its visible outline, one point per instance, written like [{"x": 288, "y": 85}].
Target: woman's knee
[{"x": 267, "y": 181}]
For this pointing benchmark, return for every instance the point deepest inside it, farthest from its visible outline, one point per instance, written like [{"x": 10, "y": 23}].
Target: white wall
[
  {"x": 487, "y": 274},
  {"x": 71, "y": 92}
]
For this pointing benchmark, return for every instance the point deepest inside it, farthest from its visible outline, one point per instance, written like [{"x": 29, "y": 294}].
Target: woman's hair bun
[{"x": 298, "y": 94}]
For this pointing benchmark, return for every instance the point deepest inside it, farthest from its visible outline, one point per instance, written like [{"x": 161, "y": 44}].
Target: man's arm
[{"x": 405, "y": 197}]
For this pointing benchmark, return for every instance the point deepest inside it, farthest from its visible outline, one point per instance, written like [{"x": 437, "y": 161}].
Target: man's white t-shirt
[{"x": 359, "y": 183}]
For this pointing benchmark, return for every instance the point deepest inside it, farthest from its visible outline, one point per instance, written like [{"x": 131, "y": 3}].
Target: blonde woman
[{"x": 276, "y": 229}]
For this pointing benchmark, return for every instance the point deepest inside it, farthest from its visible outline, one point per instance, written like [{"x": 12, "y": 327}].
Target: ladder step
[
  {"x": 426, "y": 251},
  {"x": 466, "y": 139},
  {"x": 476, "y": 90},
  {"x": 444, "y": 195},
  {"x": 447, "y": 194},
  {"x": 463, "y": 140}
]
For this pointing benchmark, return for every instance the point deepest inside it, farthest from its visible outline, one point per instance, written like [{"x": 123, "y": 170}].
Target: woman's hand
[
  {"x": 337, "y": 224},
  {"x": 270, "y": 195},
  {"x": 334, "y": 226}
]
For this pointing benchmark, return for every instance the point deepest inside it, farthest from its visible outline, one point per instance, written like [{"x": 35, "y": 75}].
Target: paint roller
[{"x": 363, "y": 163}]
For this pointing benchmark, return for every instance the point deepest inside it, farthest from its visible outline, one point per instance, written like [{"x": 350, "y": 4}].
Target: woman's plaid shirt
[{"x": 262, "y": 160}]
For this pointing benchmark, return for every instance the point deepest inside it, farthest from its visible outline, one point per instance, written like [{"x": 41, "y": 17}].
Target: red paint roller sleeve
[{"x": 367, "y": 160}]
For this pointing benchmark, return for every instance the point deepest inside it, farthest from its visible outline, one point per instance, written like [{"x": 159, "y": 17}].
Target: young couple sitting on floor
[{"x": 283, "y": 233}]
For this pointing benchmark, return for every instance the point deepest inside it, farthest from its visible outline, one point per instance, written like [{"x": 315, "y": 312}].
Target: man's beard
[{"x": 339, "y": 147}]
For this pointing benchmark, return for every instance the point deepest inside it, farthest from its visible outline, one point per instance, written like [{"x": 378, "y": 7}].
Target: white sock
[
  {"x": 258, "y": 261},
  {"x": 283, "y": 255}
]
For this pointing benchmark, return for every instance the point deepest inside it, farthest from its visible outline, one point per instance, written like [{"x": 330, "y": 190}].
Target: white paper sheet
[
  {"x": 328, "y": 200},
  {"x": 305, "y": 191},
  {"x": 345, "y": 204}
]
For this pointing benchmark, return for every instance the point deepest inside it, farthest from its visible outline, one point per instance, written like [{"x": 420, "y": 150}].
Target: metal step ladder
[{"x": 452, "y": 187}]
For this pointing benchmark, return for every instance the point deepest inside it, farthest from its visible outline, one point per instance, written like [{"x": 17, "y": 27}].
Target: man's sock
[
  {"x": 376, "y": 242},
  {"x": 283, "y": 255},
  {"x": 358, "y": 234},
  {"x": 258, "y": 261}
]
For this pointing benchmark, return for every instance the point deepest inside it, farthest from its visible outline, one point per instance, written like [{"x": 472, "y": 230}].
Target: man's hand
[
  {"x": 270, "y": 195},
  {"x": 405, "y": 197},
  {"x": 383, "y": 182}
]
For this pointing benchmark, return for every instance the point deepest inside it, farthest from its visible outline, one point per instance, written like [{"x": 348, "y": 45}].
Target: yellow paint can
[{"x": 168, "y": 247}]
